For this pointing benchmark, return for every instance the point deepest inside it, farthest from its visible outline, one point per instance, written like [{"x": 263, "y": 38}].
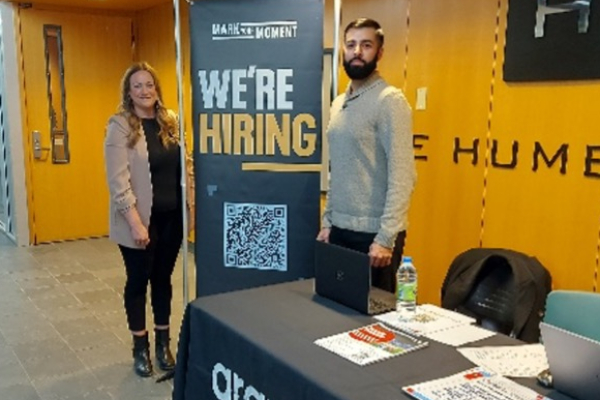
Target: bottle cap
[{"x": 407, "y": 259}]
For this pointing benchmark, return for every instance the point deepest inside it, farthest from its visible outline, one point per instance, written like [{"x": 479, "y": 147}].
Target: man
[{"x": 371, "y": 158}]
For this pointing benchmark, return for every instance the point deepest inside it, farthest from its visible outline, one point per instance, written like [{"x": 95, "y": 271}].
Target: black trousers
[
  {"x": 381, "y": 277},
  {"x": 153, "y": 264}
]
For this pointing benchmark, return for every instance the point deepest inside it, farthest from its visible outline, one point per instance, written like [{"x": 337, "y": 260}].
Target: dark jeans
[
  {"x": 153, "y": 264},
  {"x": 381, "y": 277}
]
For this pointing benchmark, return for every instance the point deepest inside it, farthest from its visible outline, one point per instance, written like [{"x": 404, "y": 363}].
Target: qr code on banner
[{"x": 255, "y": 236}]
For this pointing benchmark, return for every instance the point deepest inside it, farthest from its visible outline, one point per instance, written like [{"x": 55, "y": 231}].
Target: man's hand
[
  {"x": 380, "y": 256},
  {"x": 323, "y": 235}
]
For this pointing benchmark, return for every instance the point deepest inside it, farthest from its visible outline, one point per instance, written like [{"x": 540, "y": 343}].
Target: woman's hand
[
  {"x": 139, "y": 232},
  {"x": 140, "y": 235}
]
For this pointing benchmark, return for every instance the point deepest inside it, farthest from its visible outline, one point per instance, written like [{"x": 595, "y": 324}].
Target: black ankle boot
[
  {"x": 141, "y": 356},
  {"x": 164, "y": 358}
]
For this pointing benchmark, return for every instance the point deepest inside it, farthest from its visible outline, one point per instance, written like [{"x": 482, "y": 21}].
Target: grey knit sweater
[{"x": 371, "y": 160}]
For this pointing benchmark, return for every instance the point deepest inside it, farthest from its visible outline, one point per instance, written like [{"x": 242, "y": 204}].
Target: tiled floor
[{"x": 63, "y": 332}]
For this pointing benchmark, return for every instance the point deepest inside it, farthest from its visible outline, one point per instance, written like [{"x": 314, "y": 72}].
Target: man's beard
[{"x": 360, "y": 71}]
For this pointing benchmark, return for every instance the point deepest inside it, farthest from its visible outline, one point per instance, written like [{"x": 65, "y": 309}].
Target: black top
[{"x": 165, "y": 169}]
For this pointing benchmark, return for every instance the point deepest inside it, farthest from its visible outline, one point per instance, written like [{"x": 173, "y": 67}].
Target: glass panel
[
  {"x": 3, "y": 169},
  {"x": 327, "y": 97},
  {"x": 5, "y": 220},
  {"x": 56, "y": 94}
]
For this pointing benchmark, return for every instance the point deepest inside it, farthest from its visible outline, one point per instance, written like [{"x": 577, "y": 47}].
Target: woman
[{"x": 142, "y": 155}]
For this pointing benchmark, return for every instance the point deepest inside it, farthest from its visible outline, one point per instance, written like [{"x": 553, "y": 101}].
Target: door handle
[{"x": 38, "y": 150}]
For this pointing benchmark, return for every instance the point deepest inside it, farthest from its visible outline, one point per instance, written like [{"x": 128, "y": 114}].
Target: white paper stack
[
  {"x": 521, "y": 361},
  {"x": 436, "y": 323}
]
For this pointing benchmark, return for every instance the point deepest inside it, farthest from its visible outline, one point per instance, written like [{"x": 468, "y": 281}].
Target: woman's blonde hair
[{"x": 167, "y": 121}]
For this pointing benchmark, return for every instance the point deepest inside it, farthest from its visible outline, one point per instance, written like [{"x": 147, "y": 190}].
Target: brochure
[
  {"x": 473, "y": 384},
  {"x": 370, "y": 344}
]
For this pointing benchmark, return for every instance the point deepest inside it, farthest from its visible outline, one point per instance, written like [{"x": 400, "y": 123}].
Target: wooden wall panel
[
  {"x": 597, "y": 277},
  {"x": 155, "y": 43},
  {"x": 550, "y": 215},
  {"x": 450, "y": 53}
]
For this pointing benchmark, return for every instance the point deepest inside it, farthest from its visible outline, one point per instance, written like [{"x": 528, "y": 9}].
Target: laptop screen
[
  {"x": 344, "y": 276},
  {"x": 574, "y": 362}
]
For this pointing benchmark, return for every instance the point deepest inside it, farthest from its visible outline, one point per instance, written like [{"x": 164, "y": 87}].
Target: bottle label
[{"x": 407, "y": 292}]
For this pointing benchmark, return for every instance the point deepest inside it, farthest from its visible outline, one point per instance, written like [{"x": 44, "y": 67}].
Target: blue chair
[{"x": 574, "y": 311}]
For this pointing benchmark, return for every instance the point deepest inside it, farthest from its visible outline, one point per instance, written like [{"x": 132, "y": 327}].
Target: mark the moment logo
[{"x": 255, "y": 30}]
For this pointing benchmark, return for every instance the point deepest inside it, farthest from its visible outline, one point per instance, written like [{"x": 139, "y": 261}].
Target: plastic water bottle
[{"x": 406, "y": 286}]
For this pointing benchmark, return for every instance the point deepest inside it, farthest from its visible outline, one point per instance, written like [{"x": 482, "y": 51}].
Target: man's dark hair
[{"x": 366, "y": 23}]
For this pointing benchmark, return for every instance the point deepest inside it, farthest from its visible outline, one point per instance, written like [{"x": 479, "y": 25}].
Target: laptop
[
  {"x": 574, "y": 362},
  {"x": 344, "y": 276}
]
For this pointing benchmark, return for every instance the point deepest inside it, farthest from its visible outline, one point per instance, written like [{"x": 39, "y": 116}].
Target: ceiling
[{"x": 128, "y": 5}]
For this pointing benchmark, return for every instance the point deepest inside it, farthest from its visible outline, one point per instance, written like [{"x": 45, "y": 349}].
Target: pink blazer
[{"x": 129, "y": 182}]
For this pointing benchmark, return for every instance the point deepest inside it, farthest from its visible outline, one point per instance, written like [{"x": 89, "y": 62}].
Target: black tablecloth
[{"x": 260, "y": 342}]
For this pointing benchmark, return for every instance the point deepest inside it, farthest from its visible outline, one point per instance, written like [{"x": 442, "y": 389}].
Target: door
[{"x": 69, "y": 94}]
